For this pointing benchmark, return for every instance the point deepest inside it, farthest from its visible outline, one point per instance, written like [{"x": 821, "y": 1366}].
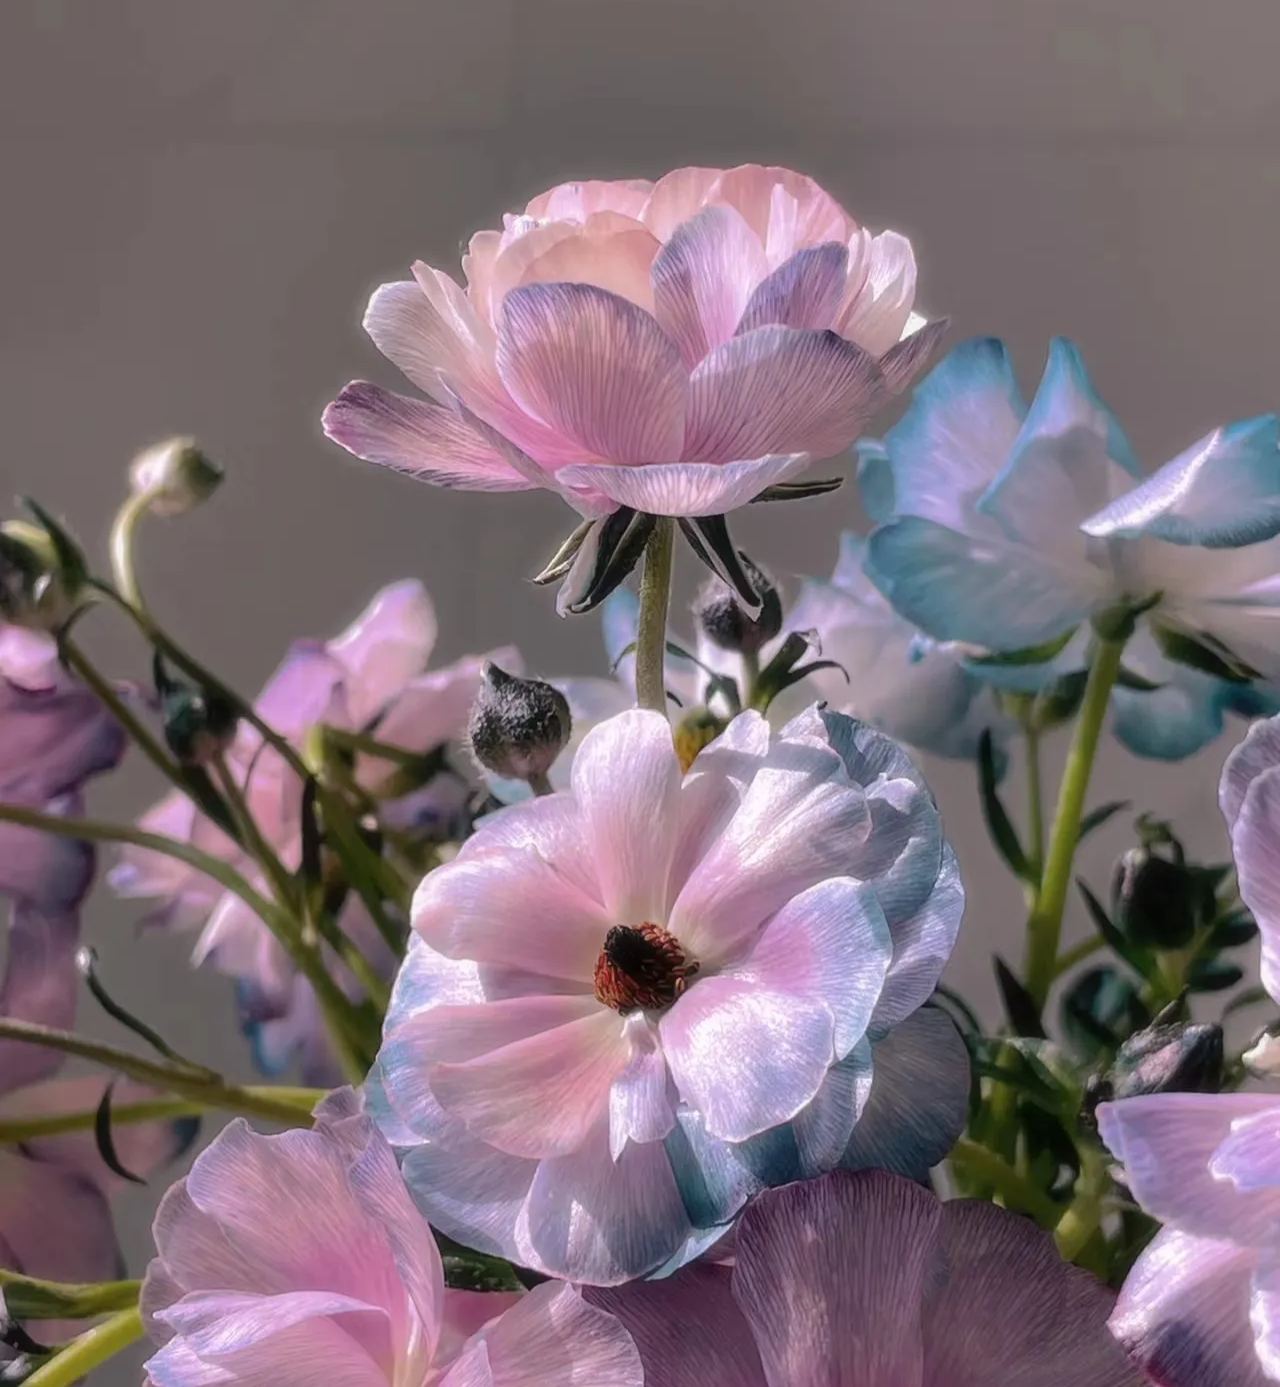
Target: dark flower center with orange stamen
[{"x": 641, "y": 968}]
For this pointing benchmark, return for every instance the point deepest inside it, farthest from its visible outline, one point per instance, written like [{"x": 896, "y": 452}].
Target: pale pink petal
[
  {"x": 579, "y": 200},
  {"x": 540, "y": 1096},
  {"x": 385, "y": 646},
  {"x": 466, "y": 1313},
  {"x": 1250, "y": 1155},
  {"x": 748, "y": 1057},
  {"x": 626, "y": 781},
  {"x": 803, "y": 214},
  {"x": 596, "y": 367},
  {"x": 610, "y": 251},
  {"x": 780, "y": 390},
  {"x": 1259, "y": 752},
  {"x": 429, "y": 441},
  {"x": 676, "y": 197},
  {"x": 704, "y": 278},
  {"x": 640, "y": 1101},
  {"x": 552, "y": 827},
  {"x": 803, "y": 292},
  {"x": 1257, "y": 855},
  {"x": 434, "y": 708},
  {"x": 877, "y": 315},
  {"x": 39, "y": 983},
  {"x": 600, "y": 1220},
  {"x": 1166, "y": 1143},
  {"x": 426, "y": 344},
  {"x": 904, "y": 361},
  {"x": 686, "y": 488},
  {"x": 510, "y": 906},
  {"x": 471, "y": 1193},
  {"x": 550, "y": 1336},
  {"x": 477, "y": 265},
  {"x": 54, "y": 1223},
  {"x": 1183, "y": 1313},
  {"x": 800, "y": 821}
]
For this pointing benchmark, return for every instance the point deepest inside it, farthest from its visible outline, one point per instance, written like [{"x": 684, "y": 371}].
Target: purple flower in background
[
  {"x": 868, "y": 1280},
  {"x": 673, "y": 347},
  {"x": 636, "y": 1003},
  {"x": 299, "y": 1259},
  {"x": 372, "y": 678},
  {"x": 1201, "y": 1307}
]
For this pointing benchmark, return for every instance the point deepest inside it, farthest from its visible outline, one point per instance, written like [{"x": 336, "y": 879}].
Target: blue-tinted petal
[
  {"x": 1070, "y": 459},
  {"x": 957, "y": 433},
  {"x": 988, "y": 592},
  {"x": 1224, "y": 491},
  {"x": 875, "y": 480}
]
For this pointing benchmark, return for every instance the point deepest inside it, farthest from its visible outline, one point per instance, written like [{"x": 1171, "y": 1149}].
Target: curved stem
[
  {"x": 651, "y": 630},
  {"x": 1015, "y": 1190},
  {"x": 1044, "y": 928},
  {"x": 89, "y": 1351},
  {"x": 289, "y": 1106},
  {"x": 32, "y": 1298},
  {"x": 1083, "y": 1217}
]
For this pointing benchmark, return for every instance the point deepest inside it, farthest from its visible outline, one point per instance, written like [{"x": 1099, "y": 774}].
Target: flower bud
[
  {"x": 1166, "y": 1057},
  {"x": 175, "y": 475},
  {"x": 38, "y": 588},
  {"x": 724, "y": 621},
  {"x": 198, "y": 723},
  {"x": 518, "y": 726},
  {"x": 1154, "y": 901},
  {"x": 696, "y": 729}
]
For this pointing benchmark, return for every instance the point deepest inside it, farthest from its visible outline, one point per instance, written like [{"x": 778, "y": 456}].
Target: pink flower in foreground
[
  {"x": 1201, "y": 1307},
  {"x": 672, "y": 348},
  {"x": 635, "y": 1003},
  {"x": 299, "y": 1259},
  {"x": 868, "y": 1280},
  {"x": 371, "y": 678}
]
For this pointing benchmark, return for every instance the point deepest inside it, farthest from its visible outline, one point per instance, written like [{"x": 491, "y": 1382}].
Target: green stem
[
  {"x": 264, "y": 1100},
  {"x": 1086, "y": 948},
  {"x": 1044, "y": 929},
  {"x": 89, "y": 1351},
  {"x": 146, "y": 742},
  {"x": 1016, "y": 1191},
  {"x": 210, "y": 1089},
  {"x": 30, "y": 1298},
  {"x": 251, "y": 836},
  {"x": 540, "y": 784},
  {"x": 651, "y": 630},
  {"x": 1082, "y": 1218},
  {"x": 1035, "y": 799},
  {"x": 750, "y": 675}
]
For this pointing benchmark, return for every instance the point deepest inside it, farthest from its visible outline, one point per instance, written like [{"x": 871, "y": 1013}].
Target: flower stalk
[
  {"x": 90, "y": 1350},
  {"x": 651, "y": 632}
]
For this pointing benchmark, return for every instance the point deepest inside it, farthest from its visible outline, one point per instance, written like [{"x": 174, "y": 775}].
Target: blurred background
[{"x": 200, "y": 197}]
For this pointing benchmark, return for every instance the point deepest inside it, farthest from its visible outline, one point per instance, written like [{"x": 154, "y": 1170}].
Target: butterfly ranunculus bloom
[
  {"x": 634, "y": 1003},
  {"x": 868, "y": 1280},
  {"x": 1201, "y": 1307},
  {"x": 299, "y": 1259},
  {"x": 1014, "y": 526},
  {"x": 372, "y": 678},
  {"x": 615, "y": 333}
]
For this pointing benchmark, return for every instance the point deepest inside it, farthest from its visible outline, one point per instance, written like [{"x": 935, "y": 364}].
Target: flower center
[{"x": 641, "y": 968}]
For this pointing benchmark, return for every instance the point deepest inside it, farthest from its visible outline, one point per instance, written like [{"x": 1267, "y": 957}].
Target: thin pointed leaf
[
  {"x": 106, "y": 1145},
  {"x": 799, "y": 491},
  {"x": 1097, "y": 817},
  {"x": 562, "y": 560},
  {"x": 1019, "y": 1005},
  {"x": 710, "y": 539},
  {"x": 623, "y": 537},
  {"x": 1029, "y": 655},
  {"x": 1001, "y": 829},
  {"x": 967, "y": 1013},
  {"x": 1139, "y": 959},
  {"x": 1127, "y": 679},
  {"x": 87, "y": 966},
  {"x": 1203, "y": 653},
  {"x": 1250, "y": 997},
  {"x": 312, "y": 837},
  {"x": 1234, "y": 930}
]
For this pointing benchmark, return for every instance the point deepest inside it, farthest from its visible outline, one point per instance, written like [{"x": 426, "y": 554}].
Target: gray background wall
[{"x": 199, "y": 197}]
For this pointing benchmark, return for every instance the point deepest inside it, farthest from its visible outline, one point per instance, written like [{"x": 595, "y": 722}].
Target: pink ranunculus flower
[
  {"x": 1201, "y": 1307},
  {"x": 299, "y": 1259},
  {"x": 634, "y": 1003},
  {"x": 868, "y": 1280},
  {"x": 672, "y": 348},
  {"x": 371, "y": 678}
]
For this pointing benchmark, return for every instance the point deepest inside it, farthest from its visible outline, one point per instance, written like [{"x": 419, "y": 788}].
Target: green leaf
[
  {"x": 1097, "y": 817},
  {"x": 105, "y": 1143},
  {"x": 1204, "y": 653},
  {"x": 1233, "y": 930},
  {"x": 1213, "y": 975},
  {"x": 29, "y": 1298},
  {"x": 1019, "y": 1005},
  {"x": 1127, "y": 679},
  {"x": 1002, "y": 831},
  {"x": 798, "y": 491},
  {"x": 709, "y": 538},
  {"x": 87, "y": 966},
  {"x": 1250, "y": 997},
  {"x": 1139, "y": 959},
  {"x": 1029, "y": 655}
]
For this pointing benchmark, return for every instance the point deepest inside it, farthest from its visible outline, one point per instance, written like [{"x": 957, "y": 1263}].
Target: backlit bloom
[
  {"x": 370, "y": 679},
  {"x": 1016, "y": 525},
  {"x": 868, "y": 1280},
  {"x": 634, "y": 1003},
  {"x": 299, "y": 1259},
  {"x": 1201, "y": 1307},
  {"x": 615, "y": 332}
]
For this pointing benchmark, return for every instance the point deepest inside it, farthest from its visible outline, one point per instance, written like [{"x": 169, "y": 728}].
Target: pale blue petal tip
[{"x": 875, "y": 479}]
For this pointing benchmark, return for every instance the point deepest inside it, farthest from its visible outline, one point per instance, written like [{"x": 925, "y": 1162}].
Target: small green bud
[
  {"x": 1154, "y": 900},
  {"x": 175, "y": 476},
  {"x": 198, "y": 723}
]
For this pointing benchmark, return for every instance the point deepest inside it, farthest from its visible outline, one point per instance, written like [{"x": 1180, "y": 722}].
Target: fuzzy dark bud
[
  {"x": 1165, "y": 1057},
  {"x": 1155, "y": 900},
  {"x": 198, "y": 723},
  {"x": 725, "y": 622},
  {"x": 518, "y": 726}
]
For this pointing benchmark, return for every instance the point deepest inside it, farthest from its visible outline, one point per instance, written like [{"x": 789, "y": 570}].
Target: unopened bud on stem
[
  {"x": 725, "y": 622},
  {"x": 175, "y": 476},
  {"x": 518, "y": 726}
]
